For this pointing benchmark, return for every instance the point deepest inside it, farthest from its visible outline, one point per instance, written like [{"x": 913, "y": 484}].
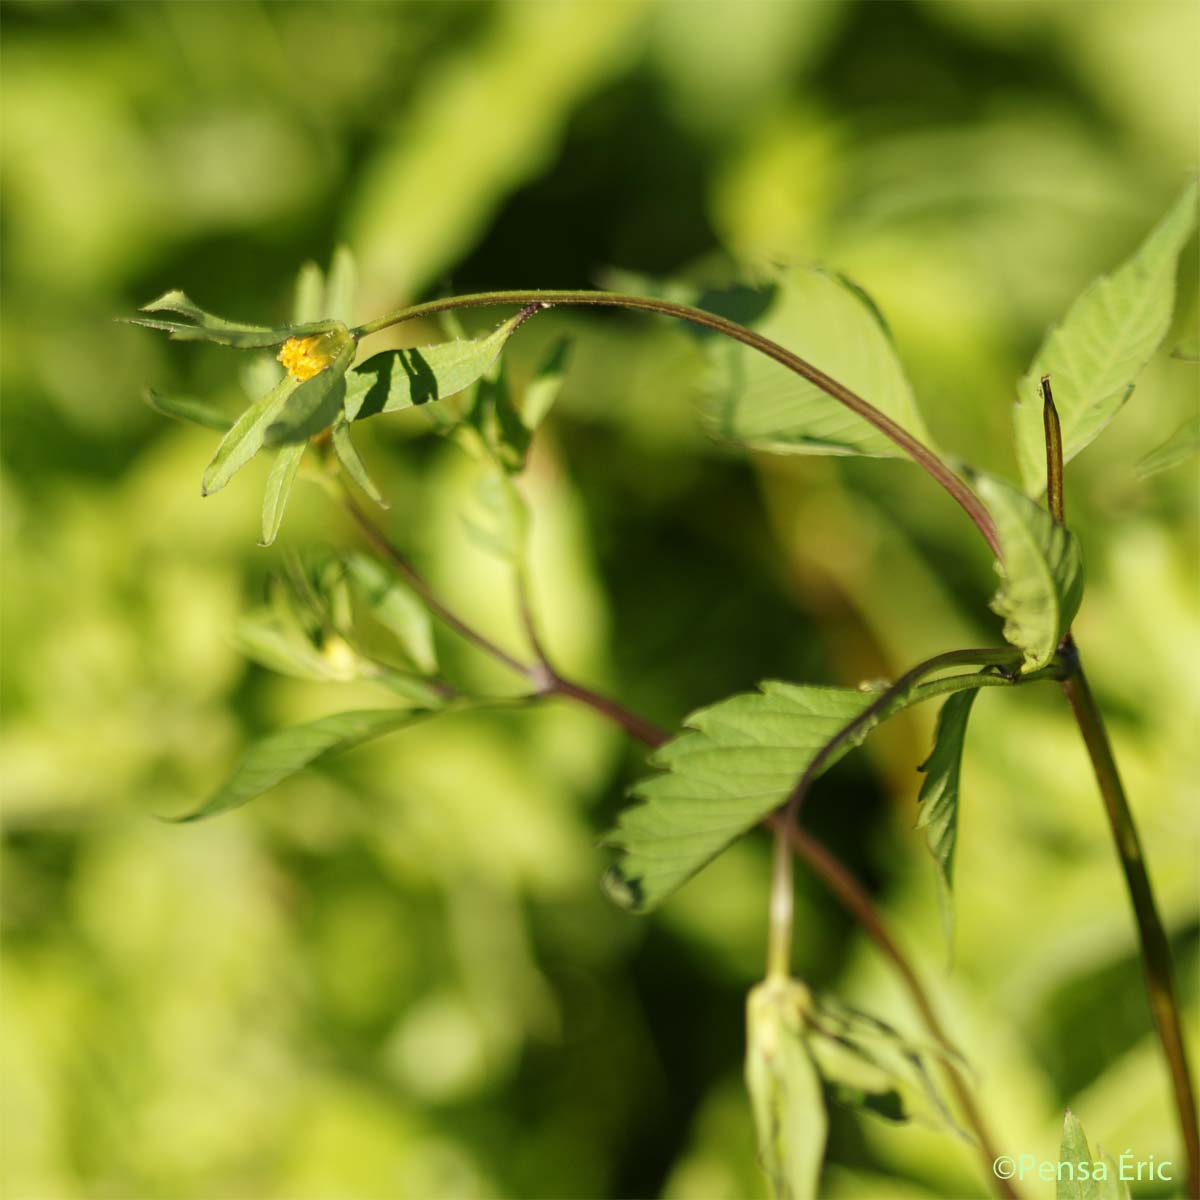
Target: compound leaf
[{"x": 1095, "y": 356}]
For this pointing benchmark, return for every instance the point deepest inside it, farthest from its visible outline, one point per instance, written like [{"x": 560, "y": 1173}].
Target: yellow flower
[{"x": 308, "y": 356}]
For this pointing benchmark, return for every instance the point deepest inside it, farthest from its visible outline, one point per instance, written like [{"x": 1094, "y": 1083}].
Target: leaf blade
[
  {"x": 827, "y": 320},
  {"x": 398, "y": 379},
  {"x": 938, "y": 798},
  {"x": 1100, "y": 347},
  {"x": 1042, "y": 572},
  {"x": 280, "y": 755},
  {"x": 245, "y": 437},
  {"x": 279, "y": 487}
]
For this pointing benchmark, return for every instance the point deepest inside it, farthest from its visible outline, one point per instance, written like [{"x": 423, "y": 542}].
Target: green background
[{"x": 398, "y": 976}]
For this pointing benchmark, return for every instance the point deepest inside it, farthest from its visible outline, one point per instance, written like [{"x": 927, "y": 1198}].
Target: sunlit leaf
[
  {"x": 785, "y": 1089},
  {"x": 758, "y": 403},
  {"x": 348, "y": 456},
  {"x": 399, "y": 379},
  {"x": 1082, "y": 1175},
  {"x": 205, "y": 327},
  {"x": 315, "y": 404},
  {"x": 1178, "y": 448},
  {"x": 397, "y": 608},
  {"x": 1042, "y": 572},
  {"x": 281, "y": 755},
  {"x": 185, "y": 408},
  {"x": 1095, "y": 356},
  {"x": 736, "y": 761},
  {"x": 245, "y": 438},
  {"x": 279, "y": 487},
  {"x": 939, "y": 796}
]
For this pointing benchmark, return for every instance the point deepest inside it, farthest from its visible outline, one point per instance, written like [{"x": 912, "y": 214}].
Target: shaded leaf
[
  {"x": 348, "y": 456},
  {"x": 785, "y": 1090},
  {"x": 268, "y": 638},
  {"x": 340, "y": 286},
  {"x": 758, "y": 403},
  {"x": 315, "y": 404},
  {"x": 498, "y": 519},
  {"x": 281, "y": 755},
  {"x": 279, "y": 487},
  {"x": 185, "y": 408},
  {"x": 1095, "y": 355},
  {"x": 869, "y": 1065},
  {"x": 395, "y": 606},
  {"x": 205, "y": 327},
  {"x": 543, "y": 389},
  {"x": 399, "y": 379},
  {"x": 1188, "y": 348},
  {"x": 245, "y": 438},
  {"x": 1042, "y": 572},
  {"x": 1178, "y": 448},
  {"x": 309, "y": 298},
  {"x": 939, "y": 796}
]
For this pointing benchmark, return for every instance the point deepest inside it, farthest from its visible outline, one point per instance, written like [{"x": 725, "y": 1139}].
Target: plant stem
[
  {"x": 1156, "y": 950},
  {"x": 392, "y": 553},
  {"x": 823, "y": 863},
  {"x": 914, "y": 448},
  {"x": 1152, "y": 935},
  {"x": 860, "y": 906}
]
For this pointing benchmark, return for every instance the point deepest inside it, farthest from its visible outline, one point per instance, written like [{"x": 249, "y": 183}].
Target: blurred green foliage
[{"x": 398, "y": 976}]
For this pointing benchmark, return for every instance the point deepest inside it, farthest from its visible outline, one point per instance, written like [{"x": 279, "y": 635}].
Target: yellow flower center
[{"x": 308, "y": 356}]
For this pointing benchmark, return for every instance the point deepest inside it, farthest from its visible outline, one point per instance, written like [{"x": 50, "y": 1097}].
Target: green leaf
[
  {"x": 1095, "y": 356},
  {"x": 939, "y": 796},
  {"x": 279, "y": 486},
  {"x": 399, "y": 379},
  {"x": 1188, "y": 348},
  {"x": 1042, "y": 572},
  {"x": 267, "y": 637},
  {"x": 736, "y": 762},
  {"x": 315, "y": 404},
  {"x": 1082, "y": 1176},
  {"x": 543, "y": 389},
  {"x": 1178, "y": 448},
  {"x": 869, "y": 1065},
  {"x": 495, "y": 426},
  {"x": 785, "y": 1090},
  {"x": 204, "y": 327},
  {"x": 281, "y": 755},
  {"x": 758, "y": 403},
  {"x": 395, "y": 606},
  {"x": 340, "y": 287},
  {"x": 185, "y": 408},
  {"x": 348, "y": 456},
  {"x": 498, "y": 519},
  {"x": 245, "y": 438},
  {"x": 309, "y": 298}
]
